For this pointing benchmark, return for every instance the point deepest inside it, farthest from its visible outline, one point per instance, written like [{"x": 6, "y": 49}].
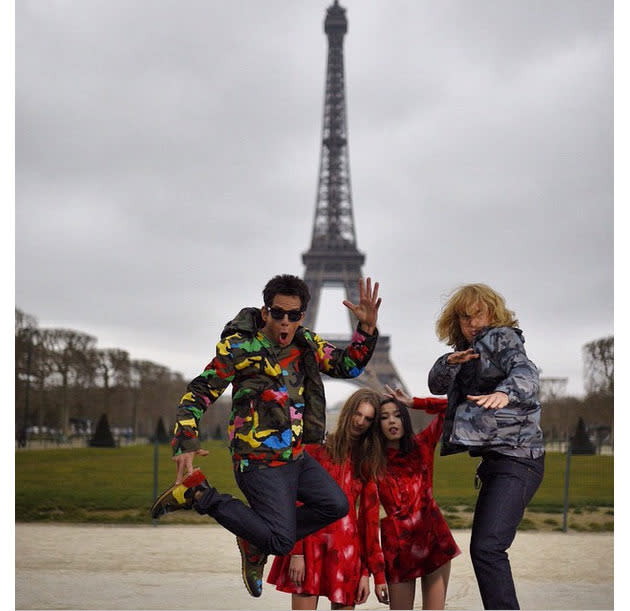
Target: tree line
[
  {"x": 564, "y": 417},
  {"x": 63, "y": 380}
]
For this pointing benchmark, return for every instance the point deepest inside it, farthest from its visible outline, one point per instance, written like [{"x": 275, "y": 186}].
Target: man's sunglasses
[{"x": 278, "y": 314}]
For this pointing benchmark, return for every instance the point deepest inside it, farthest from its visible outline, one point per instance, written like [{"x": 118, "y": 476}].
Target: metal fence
[{"x": 583, "y": 482}]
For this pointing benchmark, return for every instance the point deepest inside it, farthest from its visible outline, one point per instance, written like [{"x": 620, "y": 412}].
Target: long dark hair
[
  {"x": 406, "y": 442},
  {"x": 366, "y": 452}
]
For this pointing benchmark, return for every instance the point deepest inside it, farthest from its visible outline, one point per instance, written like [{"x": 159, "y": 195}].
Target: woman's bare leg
[
  {"x": 303, "y": 601},
  {"x": 340, "y": 606},
  {"x": 434, "y": 587},
  {"x": 401, "y": 595}
]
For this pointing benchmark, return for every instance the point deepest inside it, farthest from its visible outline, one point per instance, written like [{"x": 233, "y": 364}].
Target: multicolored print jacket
[{"x": 267, "y": 428}]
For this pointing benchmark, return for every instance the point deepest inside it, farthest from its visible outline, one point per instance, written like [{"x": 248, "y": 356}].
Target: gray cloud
[{"x": 167, "y": 156}]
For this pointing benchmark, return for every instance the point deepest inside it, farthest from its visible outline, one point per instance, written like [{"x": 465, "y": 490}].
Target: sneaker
[
  {"x": 178, "y": 496},
  {"x": 252, "y": 566}
]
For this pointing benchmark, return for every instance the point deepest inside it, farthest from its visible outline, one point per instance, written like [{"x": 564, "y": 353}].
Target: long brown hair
[
  {"x": 462, "y": 301},
  {"x": 366, "y": 452}
]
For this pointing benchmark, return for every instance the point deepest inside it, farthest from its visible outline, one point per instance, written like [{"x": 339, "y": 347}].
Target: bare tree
[
  {"x": 68, "y": 351},
  {"x": 153, "y": 381},
  {"x": 25, "y": 342},
  {"x": 552, "y": 388},
  {"x": 24, "y": 322},
  {"x": 114, "y": 371},
  {"x": 60, "y": 373},
  {"x": 599, "y": 366}
]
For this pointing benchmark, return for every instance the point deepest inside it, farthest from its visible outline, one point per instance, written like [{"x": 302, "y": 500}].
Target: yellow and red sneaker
[{"x": 178, "y": 496}]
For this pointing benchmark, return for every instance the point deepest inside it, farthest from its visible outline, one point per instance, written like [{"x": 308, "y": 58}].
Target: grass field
[{"x": 117, "y": 485}]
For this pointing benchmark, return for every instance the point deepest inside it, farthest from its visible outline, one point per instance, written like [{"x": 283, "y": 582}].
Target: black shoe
[{"x": 252, "y": 566}]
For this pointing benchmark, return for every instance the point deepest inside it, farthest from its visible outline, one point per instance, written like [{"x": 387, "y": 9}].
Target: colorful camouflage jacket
[
  {"x": 267, "y": 428},
  {"x": 502, "y": 366}
]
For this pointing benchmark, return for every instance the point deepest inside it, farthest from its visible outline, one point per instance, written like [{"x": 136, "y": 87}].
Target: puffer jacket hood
[{"x": 248, "y": 321}]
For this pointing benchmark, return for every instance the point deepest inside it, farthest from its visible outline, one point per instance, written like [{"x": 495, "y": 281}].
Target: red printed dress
[
  {"x": 338, "y": 555},
  {"x": 415, "y": 536}
]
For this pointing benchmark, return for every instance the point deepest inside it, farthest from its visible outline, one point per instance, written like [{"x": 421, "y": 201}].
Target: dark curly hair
[{"x": 286, "y": 284}]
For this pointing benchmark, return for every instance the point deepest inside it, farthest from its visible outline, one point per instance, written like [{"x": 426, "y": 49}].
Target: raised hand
[
  {"x": 456, "y": 358},
  {"x": 366, "y": 310},
  {"x": 399, "y": 394}
]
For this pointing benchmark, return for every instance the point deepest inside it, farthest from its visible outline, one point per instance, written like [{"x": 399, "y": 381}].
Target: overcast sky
[{"x": 167, "y": 157}]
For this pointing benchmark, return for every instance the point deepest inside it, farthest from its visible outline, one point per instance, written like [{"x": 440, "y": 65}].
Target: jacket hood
[{"x": 247, "y": 321}]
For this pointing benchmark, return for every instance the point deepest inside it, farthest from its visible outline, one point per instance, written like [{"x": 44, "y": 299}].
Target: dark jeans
[
  {"x": 507, "y": 486},
  {"x": 272, "y": 522}
]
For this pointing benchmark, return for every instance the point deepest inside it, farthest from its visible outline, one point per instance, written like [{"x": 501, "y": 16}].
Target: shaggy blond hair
[
  {"x": 366, "y": 453},
  {"x": 463, "y": 301}
]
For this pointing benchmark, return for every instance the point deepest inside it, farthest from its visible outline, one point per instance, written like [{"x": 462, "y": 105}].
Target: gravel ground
[{"x": 198, "y": 567}]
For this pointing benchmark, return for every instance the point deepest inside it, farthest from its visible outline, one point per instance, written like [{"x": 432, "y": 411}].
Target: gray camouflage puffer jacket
[{"x": 502, "y": 366}]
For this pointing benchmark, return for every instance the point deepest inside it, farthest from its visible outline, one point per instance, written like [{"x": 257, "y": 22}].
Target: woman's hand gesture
[{"x": 399, "y": 394}]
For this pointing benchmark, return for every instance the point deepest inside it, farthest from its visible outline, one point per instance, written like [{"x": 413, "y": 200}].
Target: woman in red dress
[
  {"x": 336, "y": 561},
  {"x": 416, "y": 539}
]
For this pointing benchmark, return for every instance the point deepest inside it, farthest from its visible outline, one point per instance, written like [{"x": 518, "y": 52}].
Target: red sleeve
[
  {"x": 432, "y": 433},
  {"x": 298, "y": 548},
  {"x": 372, "y": 559},
  {"x": 431, "y": 405},
  {"x": 316, "y": 450}
]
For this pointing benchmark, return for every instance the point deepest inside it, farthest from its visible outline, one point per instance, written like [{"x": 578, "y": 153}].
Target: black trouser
[
  {"x": 507, "y": 487},
  {"x": 272, "y": 522}
]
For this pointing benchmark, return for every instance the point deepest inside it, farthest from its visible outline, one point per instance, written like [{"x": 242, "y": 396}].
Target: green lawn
[
  {"x": 116, "y": 484},
  {"x": 591, "y": 481}
]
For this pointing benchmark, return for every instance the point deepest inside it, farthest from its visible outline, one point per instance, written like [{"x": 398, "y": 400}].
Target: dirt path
[{"x": 197, "y": 567}]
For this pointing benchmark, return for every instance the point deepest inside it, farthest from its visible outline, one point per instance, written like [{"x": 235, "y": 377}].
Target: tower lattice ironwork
[{"x": 334, "y": 258}]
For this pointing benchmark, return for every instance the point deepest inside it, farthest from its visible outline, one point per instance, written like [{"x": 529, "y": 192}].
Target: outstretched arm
[
  {"x": 398, "y": 394},
  {"x": 350, "y": 361},
  {"x": 432, "y": 405},
  {"x": 495, "y": 400},
  {"x": 366, "y": 310},
  {"x": 463, "y": 356},
  {"x": 521, "y": 382},
  {"x": 446, "y": 368}
]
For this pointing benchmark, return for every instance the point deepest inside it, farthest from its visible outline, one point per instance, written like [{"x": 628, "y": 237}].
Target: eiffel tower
[{"x": 333, "y": 258}]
